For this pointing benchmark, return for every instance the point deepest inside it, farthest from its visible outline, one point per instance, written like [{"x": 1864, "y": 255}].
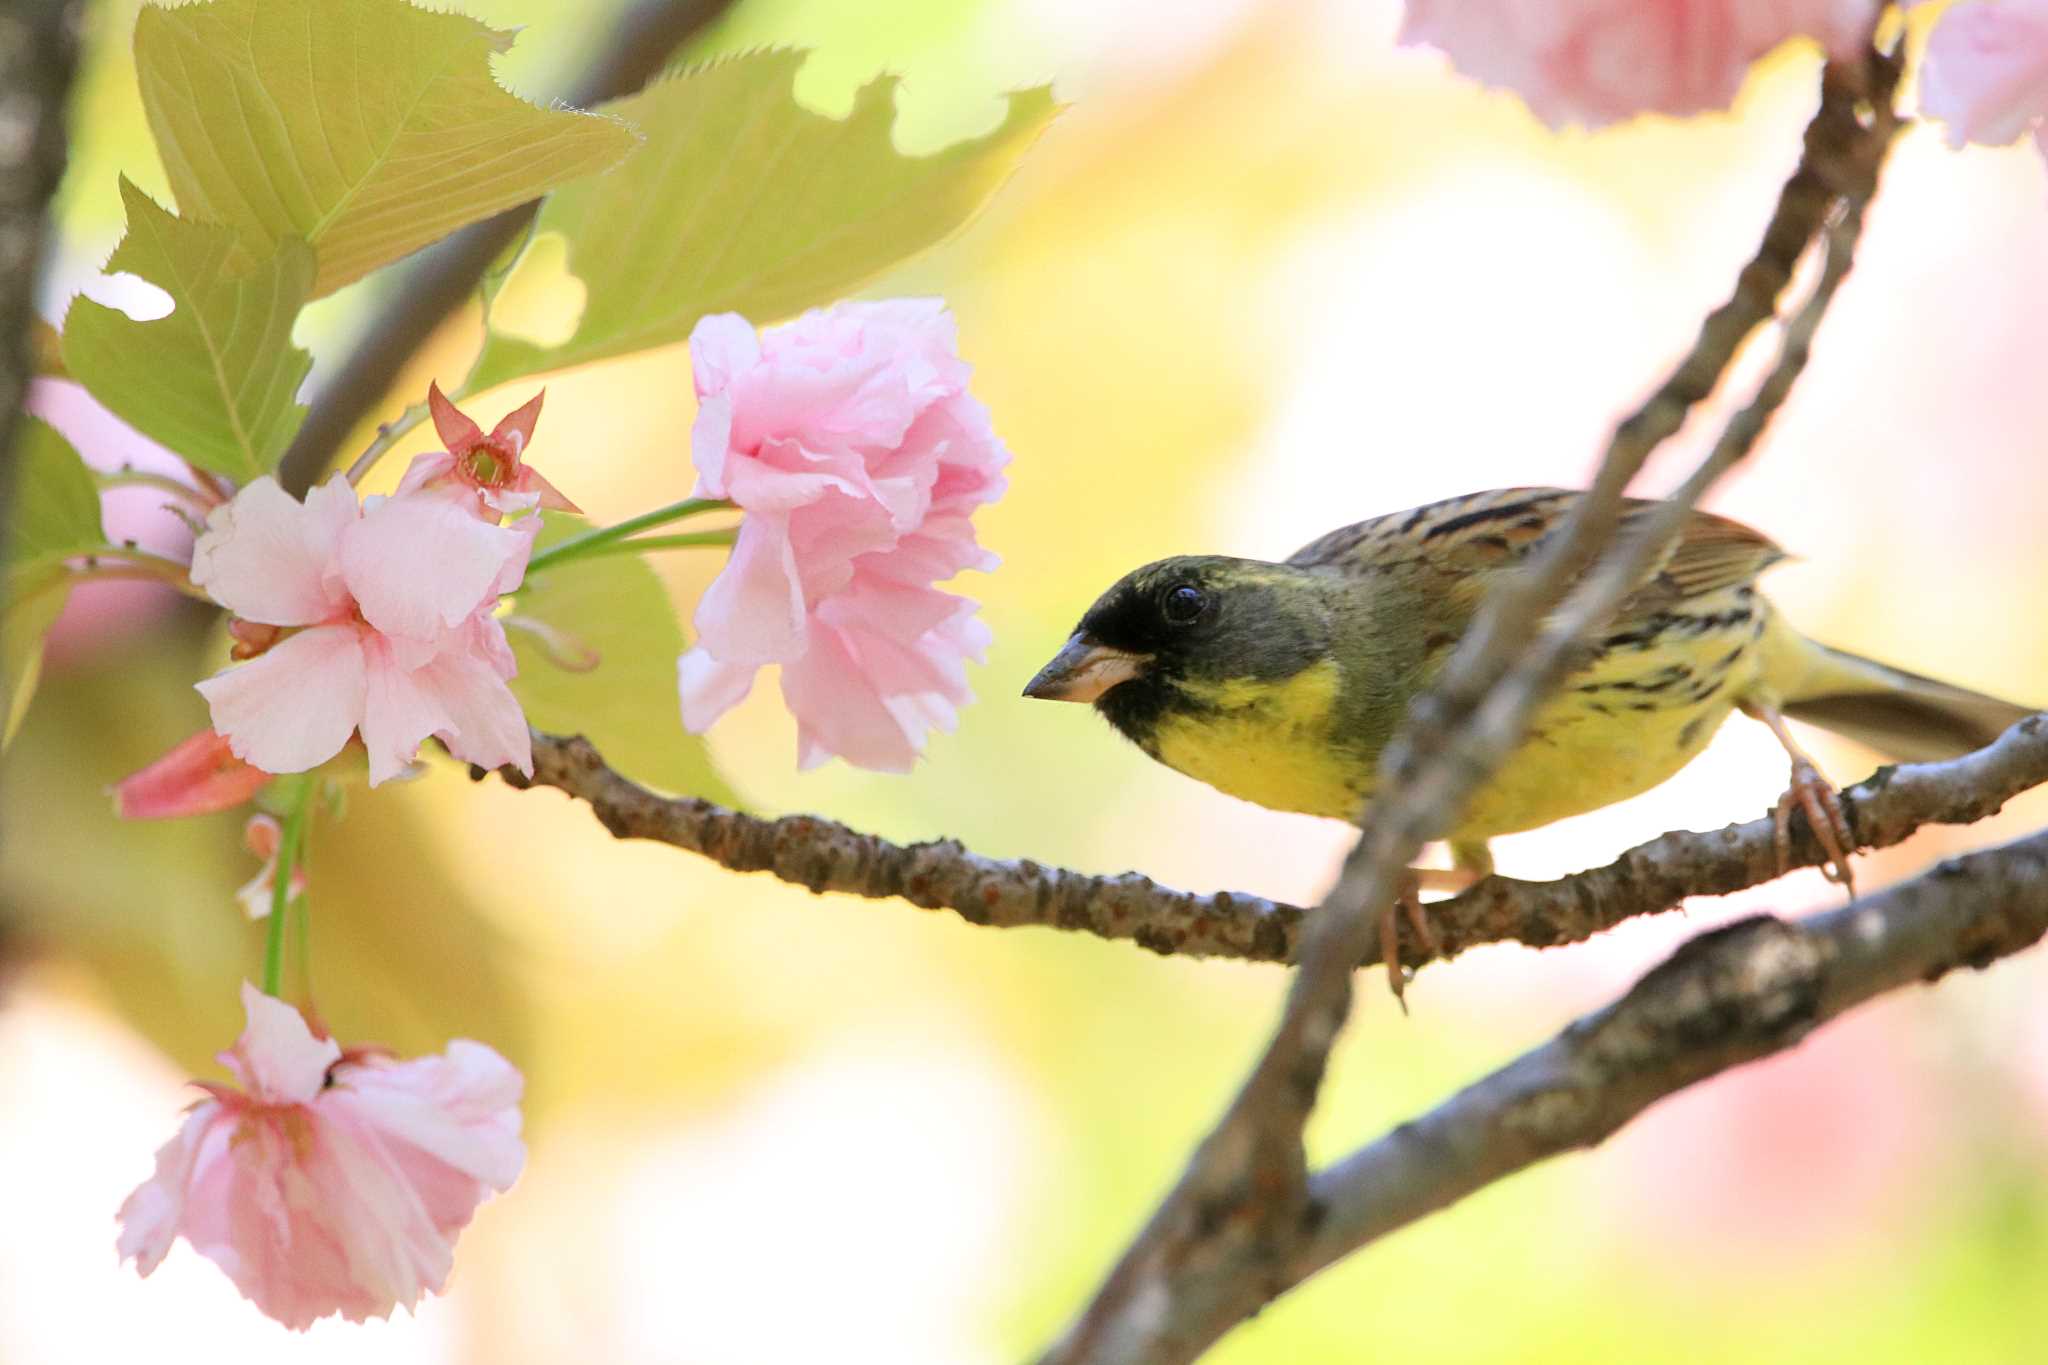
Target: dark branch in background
[
  {"x": 38, "y": 51},
  {"x": 1243, "y": 1205},
  {"x": 825, "y": 856},
  {"x": 444, "y": 275}
]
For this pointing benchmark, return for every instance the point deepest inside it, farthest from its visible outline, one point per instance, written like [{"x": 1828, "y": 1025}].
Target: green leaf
[
  {"x": 55, "y": 508},
  {"x": 215, "y": 380},
  {"x": 34, "y": 600},
  {"x": 368, "y": 128},
  {"x": 745, "y": 201},
  {"x": 54, "y": 513},
  {"x": 611, "y": 610}
]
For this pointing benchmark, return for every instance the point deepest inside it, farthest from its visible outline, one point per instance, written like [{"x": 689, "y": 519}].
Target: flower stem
[
  {"x": 685, "y": 541},
  {"x": 129, "y": 562},
  {"x": 595, "y": 542},
  {"x": 388, "y": 434},
  {"x": 137, "y": 478},
  {"x": 288, "y": 846}
]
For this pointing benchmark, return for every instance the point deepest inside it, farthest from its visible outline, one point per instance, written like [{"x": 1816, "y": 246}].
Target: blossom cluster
[
  {"x": 850, "y": 441},
  {"x": 1594, "y": 62}
]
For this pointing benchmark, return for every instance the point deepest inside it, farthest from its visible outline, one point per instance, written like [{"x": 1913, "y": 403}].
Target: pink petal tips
[
  {"x": 486, "y": 474},
  {"x": 849, "y": 440},
  {"x": 332, "y": 1182},
  {"x": 1595, "y": 62},
  {"x": 383, "y": 626},
  {"x": 198, "y": 776},
  {"x": 1985, "y": 73}
]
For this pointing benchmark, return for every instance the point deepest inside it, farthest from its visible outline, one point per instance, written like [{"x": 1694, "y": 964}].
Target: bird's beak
[{"x": 1084, "y": 670}]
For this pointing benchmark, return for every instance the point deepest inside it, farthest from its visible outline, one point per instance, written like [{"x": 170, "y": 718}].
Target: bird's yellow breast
[{"x": 1266, "y": 742}]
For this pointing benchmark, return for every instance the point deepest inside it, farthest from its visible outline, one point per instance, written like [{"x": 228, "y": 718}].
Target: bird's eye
[{"x": 1182, "y": 604}]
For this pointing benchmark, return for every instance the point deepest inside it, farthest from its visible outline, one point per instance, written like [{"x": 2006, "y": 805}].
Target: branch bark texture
[
  {"x": 825, "y": 856},
  {"x": 38, "y": 51}
]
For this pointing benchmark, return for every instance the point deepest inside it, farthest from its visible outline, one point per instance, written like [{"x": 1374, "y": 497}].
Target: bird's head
[{"x": 1181, "y": 631}]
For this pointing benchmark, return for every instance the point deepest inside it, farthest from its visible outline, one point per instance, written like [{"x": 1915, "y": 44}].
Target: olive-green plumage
[{"x": 1282, "y": 683}]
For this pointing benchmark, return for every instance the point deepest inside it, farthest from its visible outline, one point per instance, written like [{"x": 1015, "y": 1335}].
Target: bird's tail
[{"x": 1895, "y": 712}]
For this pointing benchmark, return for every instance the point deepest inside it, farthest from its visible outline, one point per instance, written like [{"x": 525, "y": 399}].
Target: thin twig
[{"x": 447, "y": 273}]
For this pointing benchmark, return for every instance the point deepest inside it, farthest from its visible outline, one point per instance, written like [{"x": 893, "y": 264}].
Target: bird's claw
[
  {"x": 1816, "y": 798},
  {"x": 1405, "y": 904}
]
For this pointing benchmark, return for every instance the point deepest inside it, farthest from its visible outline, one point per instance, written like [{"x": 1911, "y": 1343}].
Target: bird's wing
[{"x": 1470, "y": 538}]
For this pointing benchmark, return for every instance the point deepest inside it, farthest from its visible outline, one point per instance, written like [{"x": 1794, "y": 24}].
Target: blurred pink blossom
[
  {"x": 850, "y": 441},
  {"x": 1595, "y": 62},
  {"x": 1985, "y": 72},
  {"x": 1787, "y": 1157},
  {"x": 262, "y": 835},
  {"x": 395, "y": 598},
  {"x": 100, "y": 610},
  {"x": 332, "y": 1182},
  {"x": 198, "y": 776},
  {"x": 487, "y": 474}
]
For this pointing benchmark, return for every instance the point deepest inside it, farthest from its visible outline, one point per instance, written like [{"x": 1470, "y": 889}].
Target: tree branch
[
  {"x": 38, "y": 51},
  {"x": 446, "y": 274},
  {"x": 825, "y": 856},
  {"x": 1728, "y": 996}
]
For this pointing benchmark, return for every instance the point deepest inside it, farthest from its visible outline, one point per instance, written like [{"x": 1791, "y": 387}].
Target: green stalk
[
  {"x": 594, "y": 541},
  {"x": 642, "y": 544},
  {"x": 288, "y": 845}
]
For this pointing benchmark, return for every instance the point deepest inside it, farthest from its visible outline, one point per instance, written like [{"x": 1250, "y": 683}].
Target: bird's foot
[
  {"x": 1407, "y": 904},
  {"x": 1813, "y": 796},
  {"x": 1816, "y": 798}
]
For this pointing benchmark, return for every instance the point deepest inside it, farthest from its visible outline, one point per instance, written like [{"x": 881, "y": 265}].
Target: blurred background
[{"x": 1267, "y": 275}]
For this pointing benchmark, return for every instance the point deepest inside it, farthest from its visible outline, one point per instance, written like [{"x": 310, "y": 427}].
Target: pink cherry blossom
[
  {"x": 850, "y": 441},
  {"x": 1985, "y": 72},
  {"x": 485, "y": 473},
  {"x": 262, "y": 835},
  {"x": 392, "y": 635},
  {"x": 331, "y": 1182},
  {"x": 1594, "y": 62},
  {"x": 198, "y": 776}
]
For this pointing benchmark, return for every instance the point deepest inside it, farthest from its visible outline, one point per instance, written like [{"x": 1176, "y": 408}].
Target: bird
[{"x": 1282, "y": 683}]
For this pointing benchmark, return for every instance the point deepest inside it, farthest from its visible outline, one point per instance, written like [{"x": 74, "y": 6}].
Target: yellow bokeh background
[{"x": 1267, "y": 275}]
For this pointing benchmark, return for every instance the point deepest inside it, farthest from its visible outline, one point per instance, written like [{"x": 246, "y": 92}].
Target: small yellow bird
[{"x": 1282, "y": 683}]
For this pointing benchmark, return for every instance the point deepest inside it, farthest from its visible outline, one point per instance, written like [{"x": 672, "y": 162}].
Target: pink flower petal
[
  {"x": 400, "y": 709},
  {"x": 151, "y": 1215},
  {"x": 514, "y": 431},
  {"x": 198, "y": 776},
  {"x": 709, "y": 688},
  {"x": 267, "y": 557},
  {"x": 721, "y": 345},
  {"x": 850, "y": 443},
  {"x": 277, "y": 1057},
  {"x": 1985, "y": 72},
  {"x": 753, "y": 612},
  {"x": 340, "y": 1188},
  {"x": 485, "y": 723},
  {"x": 457, "y": 432},
  {"x": 293, "y": 708},
  {"x": 1601, "y": 61},
  {"x": 531, "y": 481},
  {"x": 418, "y": 566},
  {"x": 425, "y": 471}
]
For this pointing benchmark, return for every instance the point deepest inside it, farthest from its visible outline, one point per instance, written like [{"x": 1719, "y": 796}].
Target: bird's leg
[
  {"x": 1816, "y": 798},
  {"x": 1407, "y": 904}
]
